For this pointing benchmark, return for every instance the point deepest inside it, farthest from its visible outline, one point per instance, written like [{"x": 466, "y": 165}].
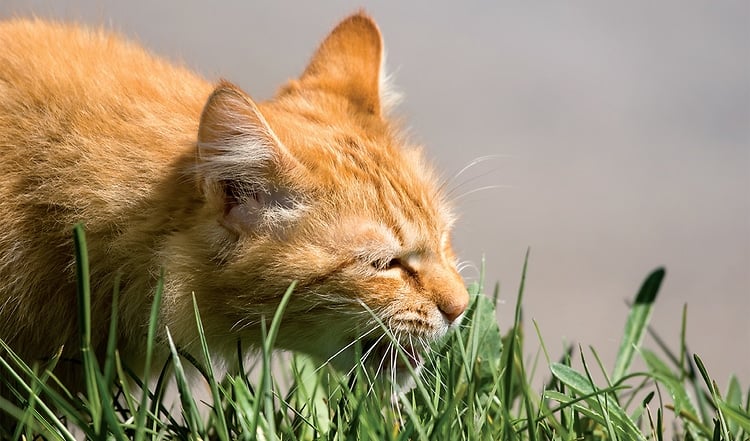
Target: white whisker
[
  {"x": 486, "y": 187},
  {"x": 476, "y": 162},
  {"x": 359, "y": 338},
  {"x": 380, "y": 365},
  {"x": 394, "y": 386},
  {"x": 451, "y": 191},
  {"x": 464, "y": 265},
  {"x": 347, "y": 346}
]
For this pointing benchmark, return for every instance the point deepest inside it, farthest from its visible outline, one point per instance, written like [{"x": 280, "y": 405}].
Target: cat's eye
[{"x": 385, "y": 265}]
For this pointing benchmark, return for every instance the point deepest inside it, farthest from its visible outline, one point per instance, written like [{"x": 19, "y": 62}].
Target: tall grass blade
[
  {"x": 221, "y": 430},
  {"x": 598, "y": 398},
  {"x": 735, "y": 415},
  {"x": 140, "y": 417},
  {"x": 637, "y": 322},
  {"x": 269, "y": 340},
  {"x": 90, "y": 364},
  {"x": 109, "y": 361},
  {"x": 189, "y": 407},
  {"x": 509, "y": 352},
  {"x": 47, "y": 411}
]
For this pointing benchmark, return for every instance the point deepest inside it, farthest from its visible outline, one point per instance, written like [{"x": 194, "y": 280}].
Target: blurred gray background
[{"x": 623, "y": 130}]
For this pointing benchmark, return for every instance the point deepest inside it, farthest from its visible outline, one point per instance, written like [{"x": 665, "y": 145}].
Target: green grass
[{"x": 476, "y": 385}]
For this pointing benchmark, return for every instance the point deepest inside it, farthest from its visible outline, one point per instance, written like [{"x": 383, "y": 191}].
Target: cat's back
[
  {"x": 79, "y": 74},
  {"x": 88, "y": 111},
  {"x": 53, "y": 61}
]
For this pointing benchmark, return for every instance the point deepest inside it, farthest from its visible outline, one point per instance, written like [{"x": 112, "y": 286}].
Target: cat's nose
[{"x": 453, "y": 309}]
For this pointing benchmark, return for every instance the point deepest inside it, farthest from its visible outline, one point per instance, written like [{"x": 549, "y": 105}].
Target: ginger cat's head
[{"x": 318, "y": 186}]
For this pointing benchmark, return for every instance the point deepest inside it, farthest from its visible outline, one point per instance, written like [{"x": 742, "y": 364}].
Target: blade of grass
[
  {"x": 140, "y": 418},
  {"x": 508, "y": 356},
  {"x": 32, "y": 422},
  {"x": 713, "y": 390},
  {"x": 27, "y": 389},
  {"x": 604, "y": 408},
  {"x": 736, "y": 415},
  {"x": 680, "y": 398},
  {"x": 30, "y": 411},
  {"x": 414, "y": 418},
  {"x": 582, "y": 385},
  {"x": 269, "y": 340},
  {"x": 90, "y": 364},
  {"x": 221, "y": 430},
  {"x": 526, "y": 399},
  {"x": 189, "y": 407},
  {"x": 683, "y": 343},
  {"x": 733, "y": 399},
  {"x": 109, "y": 361},
  {"x": 124, "y": 383},
  {"x": 637, "y": 322},
  {"x": 156, "y": 401},
  {"x": 107, "y": 409}
]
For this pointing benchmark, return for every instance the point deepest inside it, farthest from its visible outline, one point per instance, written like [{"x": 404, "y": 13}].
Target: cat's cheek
[{"x": 383, "y": 291}]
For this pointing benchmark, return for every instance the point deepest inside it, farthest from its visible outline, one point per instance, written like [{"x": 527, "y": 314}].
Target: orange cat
[{"x": 232, "y": 199}]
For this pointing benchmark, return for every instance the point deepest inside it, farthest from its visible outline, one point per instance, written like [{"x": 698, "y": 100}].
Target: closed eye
[
  {"x": 395, "y": 264},
  {"x": 386, "y": 265}
]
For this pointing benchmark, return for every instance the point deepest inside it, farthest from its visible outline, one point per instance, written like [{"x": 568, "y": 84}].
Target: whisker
[
  {"x": 370, "y": 382},
  {"x": 431, "y": 376},
  {"x": 359, "y": 338},
  {"x": 486, "y": 187},
  {"x": 451, "y": 191},
  {"x": 395, "y": 403},
  {"x": 413, "y": 353},
  {"x": 467, "y": 265},
  {"x": 434, "y": 360},
  {"x": 369, "y": 351},
  {"x": 345, "y": 348},
  {"x": 473, "y": 163},
  {"x": 380, "y": 365}
]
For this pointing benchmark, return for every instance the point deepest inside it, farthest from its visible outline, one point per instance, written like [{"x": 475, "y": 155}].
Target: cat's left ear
[
  {"x": 350, "y": 62},
  {"x": 243, "y": 168}
]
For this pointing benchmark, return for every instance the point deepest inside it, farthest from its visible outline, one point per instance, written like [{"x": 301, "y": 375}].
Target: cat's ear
[
  {"x": 241, "y": 163},
  {"x": 350, "y": 62}
]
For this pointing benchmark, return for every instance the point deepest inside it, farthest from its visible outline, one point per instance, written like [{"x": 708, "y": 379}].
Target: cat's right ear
[
  {"x": 242, "y": 163},
  {"x": 350, "y": 62}
]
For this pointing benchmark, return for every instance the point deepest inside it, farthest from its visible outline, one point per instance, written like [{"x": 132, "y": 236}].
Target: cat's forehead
[
  {"x": 362, "y": 165},
  {"x": 371, "y": 237},
  {"x": 336, "y": 145}
]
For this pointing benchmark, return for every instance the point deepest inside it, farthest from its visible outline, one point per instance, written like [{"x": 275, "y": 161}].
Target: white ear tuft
[{"x": 390, "y": 97}]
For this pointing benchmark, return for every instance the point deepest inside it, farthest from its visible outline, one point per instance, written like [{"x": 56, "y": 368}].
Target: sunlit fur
[{"x": 233, "y": 200}]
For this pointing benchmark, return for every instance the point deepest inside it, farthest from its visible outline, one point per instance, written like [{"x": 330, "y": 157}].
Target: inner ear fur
[
  {"x": 232, "y": 126},
  {"x": 349, "y": 63}
]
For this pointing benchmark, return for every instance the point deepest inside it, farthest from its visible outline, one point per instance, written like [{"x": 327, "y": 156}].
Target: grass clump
[{"x": 475, "y": 385}]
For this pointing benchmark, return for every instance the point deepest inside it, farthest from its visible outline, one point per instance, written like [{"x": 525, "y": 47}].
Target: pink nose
[{"x": 453, "y": 309}]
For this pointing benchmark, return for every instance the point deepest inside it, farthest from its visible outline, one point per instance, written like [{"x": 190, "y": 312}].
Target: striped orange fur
[{"x": 233, "y": 199}]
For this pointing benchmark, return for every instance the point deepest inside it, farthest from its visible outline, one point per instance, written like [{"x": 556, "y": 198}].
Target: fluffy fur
[{"x": 233, "y": 200}]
